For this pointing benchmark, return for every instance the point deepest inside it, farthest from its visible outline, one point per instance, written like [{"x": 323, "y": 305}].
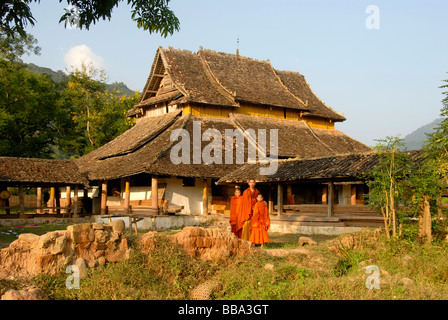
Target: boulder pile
[
  {"x": 211, "y": 244},
  {"x": 204, "y": 244},
  {"x": 94, "y": 243},
  {"x": 88, "y": 245}
]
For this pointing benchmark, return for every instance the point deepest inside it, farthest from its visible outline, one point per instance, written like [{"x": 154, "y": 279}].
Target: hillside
[
  {"x": 60, "y": 76},
  {"x": 415, "y": 139}
]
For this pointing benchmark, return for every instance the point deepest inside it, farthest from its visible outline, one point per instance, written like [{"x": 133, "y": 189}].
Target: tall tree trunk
[
  {"x": 425, "y": 223},
  {"x": 392, "y": 196}
]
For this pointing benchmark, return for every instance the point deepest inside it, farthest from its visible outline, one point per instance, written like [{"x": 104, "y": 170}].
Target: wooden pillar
[
  {"x": 127, "y": 195},
  {"x": 205, "y": 197},
  {"x": 155, "y": 194},
  {"x": 279, "y": 200},
  {"x": 39, "y": 200},
  {"x": 85, "y": 197},
  {"x": 75, "y": 202},
  {"x": 353, "y": 195},
  {"x": 51, "y": 200},
  {"x": 324, "y": 194},
  {"x": 68, "y": 199},
  {"x": 104, "y": 197},
  {"x": 330, "y": 199},
  {"x": 270, "y": 201},
  {"x": 57, "y": 200},
  {"x": 21, "y": 202}
]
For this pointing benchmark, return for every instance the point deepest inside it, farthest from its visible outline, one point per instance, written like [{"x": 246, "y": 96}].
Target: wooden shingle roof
[
  {"x": 147, "y": 146},
  {"x": 325, "y": 168},
  {"x": 226, "y": 80},
  {"x": 297, "y": 139},
  {"x": 40, "y": 171},
  {"x": 297, "y": 84}
]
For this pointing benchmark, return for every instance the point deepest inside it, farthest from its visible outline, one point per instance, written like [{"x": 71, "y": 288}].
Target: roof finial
[{"x": 237, "y": 45}]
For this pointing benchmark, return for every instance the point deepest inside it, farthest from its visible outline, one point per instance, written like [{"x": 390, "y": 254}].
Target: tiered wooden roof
[
  {"x": 227, "y": 80},
  {"x": 328, "y": 167},
  {"x": 32, "y": 171},
  {"x": 146, "y": 147}
]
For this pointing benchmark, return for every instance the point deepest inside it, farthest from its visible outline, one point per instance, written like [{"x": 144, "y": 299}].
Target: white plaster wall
[
  {"x": 175, "y": 193},
  {"x": 140, "y": 193},
  {"x": 92, "y": 192},
  {"x": 189, "y": 197}
]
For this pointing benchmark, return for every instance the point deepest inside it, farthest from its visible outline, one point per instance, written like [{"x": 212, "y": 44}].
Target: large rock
[
  {"x": 305, "y": 240},
  {"x": 27, "y": 294},
  {"x": 81, "y": 233},
  {"x": 92, "y": 243},
  {"x": 118, "y": 226},
  {"x": 211, "y": 244},
  {"x": 202, "y": 243}
]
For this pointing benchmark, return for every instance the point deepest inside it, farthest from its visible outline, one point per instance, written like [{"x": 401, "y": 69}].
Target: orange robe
[
  {"x": 247, "y": 204},
  {"x": 260, "y": 224},
  {"x": 235, "y": 204}
]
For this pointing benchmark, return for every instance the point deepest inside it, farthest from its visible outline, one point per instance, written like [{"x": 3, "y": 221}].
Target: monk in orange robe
[
  {"x": 260, "y": 222},
  {"x": 245, "y": 213},
  {"x": 235, "y": 204}
]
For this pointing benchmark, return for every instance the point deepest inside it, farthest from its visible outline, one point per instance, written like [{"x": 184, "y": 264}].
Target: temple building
[
  {"x": 192, "y": 103},
  {"x": 219, "y": 91}
]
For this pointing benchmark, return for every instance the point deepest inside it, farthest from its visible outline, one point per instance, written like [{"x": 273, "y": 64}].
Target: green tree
[
  {"x": 151, "y": 15},
  {"x": 12, "y": 48},
  {"x": 432, "y": 176},
  {"x": 385, "y": 181},
  {"x": 27, "y": 112},
  {"x": 90, "y": 115},
  {"x": 424, "y": 189},
  {"x": 437, "y": 143}
]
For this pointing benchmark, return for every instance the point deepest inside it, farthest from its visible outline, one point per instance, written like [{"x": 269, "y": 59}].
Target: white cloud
[{"x": 82, "y": 54}]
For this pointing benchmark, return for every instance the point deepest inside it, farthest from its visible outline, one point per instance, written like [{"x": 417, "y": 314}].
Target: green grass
[
  {"x": 312, "y": 272},
  {"x": 10, "y": 233}
]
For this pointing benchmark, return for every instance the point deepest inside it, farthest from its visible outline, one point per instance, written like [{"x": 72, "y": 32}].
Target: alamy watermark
[
  {"x": 373, "y": 20},
  {"x": 72, "y": 281},
  {"x": 373, "y": 281},
  {"x": 213, "y": 153}
]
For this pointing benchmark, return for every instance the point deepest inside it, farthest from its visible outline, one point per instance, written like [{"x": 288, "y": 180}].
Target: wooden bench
[{"x": 135, "y": 216}]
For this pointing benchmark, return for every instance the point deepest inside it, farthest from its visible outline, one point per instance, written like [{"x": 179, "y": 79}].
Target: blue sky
[{"x": 386, "y": 80}]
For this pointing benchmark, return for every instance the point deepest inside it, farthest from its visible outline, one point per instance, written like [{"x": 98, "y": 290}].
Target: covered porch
[
  {"x": 31, "y": 187},
  {"x": 326, "y": 191}
]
